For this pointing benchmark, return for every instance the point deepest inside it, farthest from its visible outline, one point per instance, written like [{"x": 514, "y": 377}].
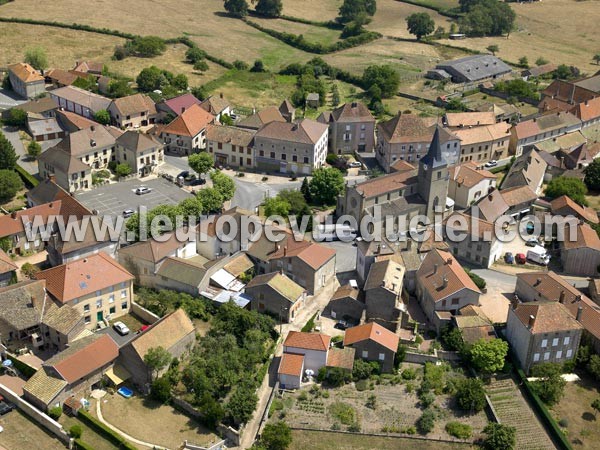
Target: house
[
  {"x": 407, "y": 137},
  {"x": 443, "y": 287},
  {"x": 91, "y": 67},
  {"x": 351, "y": 128},
  {"x": 79, "y": 101},
  {"x": 565, "y": 206},
  {"x": 26, "y": 81},
  {"x": 308, "y": 264},
  {"x": 372, "y": 342},
  {"x": 473, "y": 324},
  {"x": 181, "y": 275},
  {"x": 542, "y": 332},
  {"x": 61, "y": 78},
  {"x": 133, "y": 111},
  {"x": 541, "y": 128},
  {"x": 44, "y": 129},
  {"x": 527, "y": 170},
  {"x": 296, "y": 148},
  {"x": 217, "y": 106},
  {"x": 97, "y": 287},
  {"x": 259, "y": 119},
  {"x": 71, "y": 371},
  {"x": 562, "y": 145},
  {"x": 582, "y": 255},
  {"x": 383, "y": 293},
  {"x": 483, "y": 143},
  {"x": 468, "y": 184},
  {"x": 287, "y": 110},
  {"x": 231, "y": 146},
  {"x": 490, "y": 207},
  {"x": 142, "y": 152},
  {"x": 276, "y": 294},
  {"x": 346, "y": 304},
  {"x": 211, "y": 246},
  {"x": 44, "y": 107},
  {"x": 174, "y": 332},
  {"x": 588, "y": 112},
  {"x": 519, "y": 200},
  {"x": 580, "y": 156},
  {"x": 475, "y": 68},
  {"x": 45, "y": 192},
  {"x": 562, "y": 95},
  {"x": 173, "y": 107},
  {"x": 291, "y": 368},
  {"x": 60, "y": 327},
  {"x": 69, "y": 172},
  {"x": 186, "y": 134},
  {"x": 460, "y": 120},
  {"x": 480, "y": 247},
  {"x": 549, "y": 286},
  {"x": 367, "y": 253},
  {"x": 538, "y": 71},
  {"x": 313, "y": 346},
  {"x": 8, "y": 270},
  {"x": 71, "y": 122}
]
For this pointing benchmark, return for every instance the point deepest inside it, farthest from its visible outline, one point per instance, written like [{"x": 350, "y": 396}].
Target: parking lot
[{"x": 113, "y": 199}]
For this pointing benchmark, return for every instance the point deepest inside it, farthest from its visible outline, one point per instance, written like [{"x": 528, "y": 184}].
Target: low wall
[
  {"x": 143, "y": 313},
  {"x": 186, "y": 408},
  {"x": 232, "y": 435},
  {"x": 218, "y": 446},
  {"x": 36, "y": 415},
  {"x": 437, "y": 355}
]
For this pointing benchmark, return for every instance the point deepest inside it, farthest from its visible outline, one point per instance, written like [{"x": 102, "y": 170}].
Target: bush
[
  {"x": 10, "y": 184},
  {"x": 563, "y": 423},
  {"x": 426, "y": 399},
  {"x": 409, "y": 374},
  {"x": 426, "y": 422},
  {"x": 362, "y": 370},
  {"x": 29, "y": 270},
  {"x": 470, "y": 395},
  {"x": 361, "y": 385},
  {"x": 343, "y": 412},
  {"x": 161, "y": 390},
  {"x": 55, "y": 412},
  {"x": 479, "y": 282},
  {"x": 459, "y": 430},
  {"x": 240, "y": 65},
  {"x": 76, "y": 431}
]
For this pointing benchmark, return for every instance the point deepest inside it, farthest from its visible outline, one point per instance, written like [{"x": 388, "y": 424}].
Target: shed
[{"x": 312, "y": 100}]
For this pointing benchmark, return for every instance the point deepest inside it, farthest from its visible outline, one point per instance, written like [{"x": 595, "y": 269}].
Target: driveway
[
  {"x": 30, "y": 165},
  {"x": 113, "y": 199},
  {"x": 119, "y": 339}
]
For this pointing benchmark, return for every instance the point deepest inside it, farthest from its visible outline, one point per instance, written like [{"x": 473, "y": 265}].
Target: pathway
[
  {"x": 122, "y": 433},
  {"x": 29, "y": 165}
]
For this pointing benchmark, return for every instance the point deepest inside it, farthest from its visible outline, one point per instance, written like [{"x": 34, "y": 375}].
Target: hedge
[
  {"x": 25, "y": 369},
  {"x": 555, "y": 431},
  {"x": 80, "y": 445},
  {"x": 191, "y": 44},
  {"x": 299, "y": 42},
  {"x": 72, "y": 26},
  {"x": 332, "y": 24},
  {"x": 110, "y": 435},
  {"x": 29, "y": 180},
  {"x": 434, "y": 7}
]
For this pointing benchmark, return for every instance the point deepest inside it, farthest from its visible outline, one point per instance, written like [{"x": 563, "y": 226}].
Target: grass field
[
  {"x": 20, "y": 433},
  {"x": 390, "y": 18},
  {"x": 311, "y": 33},
  {"x": 318, "y": 440},
  {"x": 89, "y": 435},
  {"x": 317, "y": 10}
]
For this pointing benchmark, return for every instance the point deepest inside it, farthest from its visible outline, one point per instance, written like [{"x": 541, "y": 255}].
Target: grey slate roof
[
  {"x": 475, "y": 67},
  {"x": 21, "y": 304}
]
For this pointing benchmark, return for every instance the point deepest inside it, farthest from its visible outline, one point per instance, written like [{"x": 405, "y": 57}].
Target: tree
[
  {"x": 34, "y": 149},
  {"x": 180, "y": 82},
  {"x": 452, "y": 338},
  {"x": 596, "y": 406},
  {"x": 242, "y": 404},
  {"x": 351, "y": 9},
  {"x": 102, "y": 116},
  {"x": 152, "y": 78},
  {"x": 269, "y": 8},
  {"x": 201, "y": 66},
  {"x": 426, "y": 422},
  {"x": 361, "y": 370},
  {"x": 385, "y": 78},
  {"x": 236, "y": 8},
  {"x": 146, "y": 46},
  {"x": 119, "y": 88},
  {"x": 524, "y": 62},
  {"x": 470, "y": 395},
  {"x": 223, "y": 184},
  {"x": 499, "y": 437},
  {"x": 8, "y": 156},
  {"x": 564, "y": 72},
  {"x": 10, "y": 184},
  {"x": 36, "y": 57},
  {"x": 420, "y": 24},
  {"x": 76, "y": 431},
  {"x": 487, "y": 18},
  {"x": 335, "y": 95},
  {"x": 274, "y": 206},
  {"x": 596, "y": 58},
  {"x": 326, "y": 185},
  {"x": 276, "y": 436},
  {"x": 211, "y": 200},
  {"x": 226, "y": 119},
  {"x": 258, "y": 66},
  {"x": 305, "y": 189},
  {"x": 571, "y": 187},
  {"x": 160, "y": 390},
  {"x": 541, "y": 61},
  {"x": 212, "y": 411},
  {"x": 16, "y": 118},
  {"x": 488, "y": 356},
  {"x": 201, "y": 163},
  {"x": 493, "y": 49},
  {"x": 551, "y": 386},
  {"x": 191, "y": 207},
  {"x": 593, "y": 366},
  {"x": 592, "y": 175},
  {"x": 194, "y": 54},
  {"x": 123, "y": 169},
  {"x": 157, "y": 358}
]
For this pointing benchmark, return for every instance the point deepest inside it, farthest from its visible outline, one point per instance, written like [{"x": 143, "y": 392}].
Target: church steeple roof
[{"x": 434, "y": 157}]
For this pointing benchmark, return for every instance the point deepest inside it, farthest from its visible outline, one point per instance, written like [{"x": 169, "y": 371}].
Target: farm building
[{"x": 474, "y": 68}]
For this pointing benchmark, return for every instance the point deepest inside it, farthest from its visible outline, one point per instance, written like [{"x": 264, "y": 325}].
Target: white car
[
  {"x": 143, "y": 190},
  {"x": 355, "y": 164},
  {"x": 492, "y": 163},
  {"x": 128, "y": 213},
  {"x": 121, "y": 328}
]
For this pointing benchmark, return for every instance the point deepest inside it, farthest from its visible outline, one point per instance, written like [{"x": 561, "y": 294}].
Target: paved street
[
  {"x": 30, "y": 165},
  {"x": 9, "y": 99},
  {"x": 113, "y": 199},
  {"x": 249, "y": 195},
  {"x": 345, "y": 255}
]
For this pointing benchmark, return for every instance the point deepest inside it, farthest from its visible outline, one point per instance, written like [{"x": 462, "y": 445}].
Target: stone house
[
  {"x": 231, "y": 146},
  {"x": 468, "y": 184},
  {"x": 79, "y": 101},
  {"x": 211, "y": 246},
  {"x": 142, "y": 152},
  {"x": 133, "y": 111},
  {"x": 276, "y": 294},
  {"x": 565, "y": 206},
  {"x": 542, "y": 128},
  {"x": 186, "y": 134},
  {"x": 483, "y": 143},
  {"x": 443, "y": 288},
  {"x": 519, "y": 200},
  {"x": 26, "y": 81},
  {"x": 582, "y": 256},
  {"x": 98, "y": 287},
  {"x": 217, "y": 106},
  {"x": 8, "y": 270},
  {"x": 258, "y": 119},
  {"x": 588, "y": 112},
  {"x": 296, "y": 148},
  {"x": 77, "y": 368},
  {"x": 383, "y": 293},
  {"x": 563, "y": 95},
  {"x": 527, "y": 170},
  {"x": 480, "y": 245},
  {"x": 69, "y": 172},
  {"x": 313, "y": 346},
  {"x": 346, "y": 304},
  {"x": 351, "y": 128},
  {"x": 542, "y": 332},
  {"x": 367, "y": 253},
  {"x": 61, "y": 326},
  {"x": 372, "y": 342},
  {"x": 23, "y": 305},
  {"x": 174, "y": 332},
  {"x": 62, "y": 251}
]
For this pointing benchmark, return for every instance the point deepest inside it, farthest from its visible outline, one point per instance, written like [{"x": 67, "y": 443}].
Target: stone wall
[{"x": 143, "y": 313}]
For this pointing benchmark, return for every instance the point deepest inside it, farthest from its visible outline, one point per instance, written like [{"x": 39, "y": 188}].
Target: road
[
  {"x": 249, "y": 195},
  {"x": 9, "y": 99},
  {"x": 30, "y": 165}
]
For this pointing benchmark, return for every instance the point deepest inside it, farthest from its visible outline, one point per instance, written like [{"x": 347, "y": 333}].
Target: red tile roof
[
  {"x": 191, "y": 122},
  {"x": 588, "y": 110},
  {"x": 564, "y": 206},
  {"x": 25, "y": 73},
  {"x": 291, "y": 364},
  {"x": 307, "y": 341},
  {"x": 586, "y": 238},
  {"x": 548, "y": 317},
  {"x": 13, "y": 223},
  {"x": 374, "y": 332},
  {"x": 449, "y": 269}
]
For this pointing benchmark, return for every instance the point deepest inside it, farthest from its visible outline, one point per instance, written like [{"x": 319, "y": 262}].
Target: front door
[{"x": 99, "y": 316}]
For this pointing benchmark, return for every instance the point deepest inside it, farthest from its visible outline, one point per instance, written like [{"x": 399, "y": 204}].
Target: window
[
  {"x": 365, "y": 354},
  {"x": 559, "y": 354},
  {"x": 88, "y": 320},
  {"x": 544, "y": 343},
  {"x": 112, "y": 310},
  {"x": 123, "y": 294},
  {"x": 123, "y": 284},
  {"x": 546, "y": 356},
  {"x": 536, "y": 357},
  {"x": 98, "y": 293},
  {"x": 455, "y": 301},
  {"x": 273, "y": 155},
  {"x": 555, "y": 342},
  {"x": 219, "y": 145},
  {"x": 306, "y": 160},
  {"x": 99, "y": 304},
  {"x": 86, "y": 308},
  {"x": 111, "y": 299},
  {"x": 569, "y": 353},
  {"x": 382, "y": 357},
  {"x": 567, "y": 340},
  {"x": 283, "y": 156},
  {"x": 294, "y": 158},
  {"x": 124, "y": 305}
]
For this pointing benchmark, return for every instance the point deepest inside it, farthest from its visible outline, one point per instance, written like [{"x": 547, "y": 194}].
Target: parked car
[
  {"x": 341, "y": 325},
  {"x": 520, "y": 258},
  {"x": 6, "y": 407},
  {"x": 121, "y": 328},
  {"x": 128, "y": 213},
  {"x": 355, "y": 164},
  {"x": 533, "y": 242},
  {"x": 197, "y": 182},
  {"x": 509, "y": 258},
  {"x": 538, "y": 255},
  {"x": 143, "y": 190},
  {"x": 492, "y": 163}
]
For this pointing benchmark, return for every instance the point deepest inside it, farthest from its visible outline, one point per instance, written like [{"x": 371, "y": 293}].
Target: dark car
[
  {"x": 341, "y": 325},
  {"x": 509, "y": 258},
  {"x": 197, "y": 182},
  {"x": 5, "y": 408},
  {"x": 184, "y": 174}
]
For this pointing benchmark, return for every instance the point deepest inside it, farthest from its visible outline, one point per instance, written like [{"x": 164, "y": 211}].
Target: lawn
[
  {"x": 581, "y": 423},
  {"x": 89, "y": 435},
  {"x": 311, "y": 33},
  {"x": 21, "y": 433},
  {"x": 319, "y": 440},
  {"x": 317, "y": 10},
  {"x": 133, "y": 322},
  {"x": 153, "y": 422}
]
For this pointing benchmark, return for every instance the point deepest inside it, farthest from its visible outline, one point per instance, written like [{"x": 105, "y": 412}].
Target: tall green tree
[
  {"x": 470, "y": 395},
  {"x": 8, "y": 156},
  {"x": 384, "y": 78},
  {"x": 201, "y": 163},
  {"x": 274, "y": 206},
  {"x": 10, "y": 184},
  {"x": 16, "y": 118},
  {"x": 191, "y": 206},
  {"x": 269, "y": 8},
  {"x": 596, "y": 58},
  {"x": 550, "y": 386},
  {"x": 351, "y": 9},
  {"x": 488, "y": 356},
  {"x": 326, "y": 185},
  {"x": 34, "y": 149},
  {"x": 305, "y": 189},
  {"x": 420, "y": 24},
  {"x": 276, "y": 436},
  {"x": 571, "y": 187},
  {"x": 156, "y": 359},
  {"x": 223, "y": 184},
  {"x": 36, "y": 57},
  {"x": 236, "y": 8},
  {"x": 493, "y": 49},
  {"x": 102, "y": 116},
  {"x": 211, "y": 200},
  {"x": 242, "y": 403},
  {"x": 592, "y": 175}
]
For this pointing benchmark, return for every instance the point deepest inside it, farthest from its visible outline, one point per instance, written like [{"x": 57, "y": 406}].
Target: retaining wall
[{"x": 143, "y": 313}]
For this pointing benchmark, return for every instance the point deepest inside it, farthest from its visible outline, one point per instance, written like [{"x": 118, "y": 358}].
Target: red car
[{"x": 520, "y": 258}]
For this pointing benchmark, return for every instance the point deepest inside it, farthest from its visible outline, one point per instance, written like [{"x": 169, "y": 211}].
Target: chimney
[
  {"x": 281, "y": 271},
  {"x": 182, "y": 109},
  {"x": 93, "y": 128},
  {"x": 579, "y": 311},
  {"x": 514, "y": 302},
  {"x": 50, "y": 205},
  {"x": 537, "y": 282},
  {"x": 13, "y": 214},
  {"x": 531, "y": 322},
  {"x": 561, "y": 299},
  {"x": 444, "y": 282},
  {"x": 534, "y": 119},
  {"x": 52, "y": 178},
  {"x": 285, "y": 251},
  {"x": 586, "y": 103},
  {"x": 378, "y": 249},
  {"x": 220, "y": 94},
  {"x": 578, "y": 298},
  {"x": 435, "y": 268},
  {"x": 449, "y": 261}
]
